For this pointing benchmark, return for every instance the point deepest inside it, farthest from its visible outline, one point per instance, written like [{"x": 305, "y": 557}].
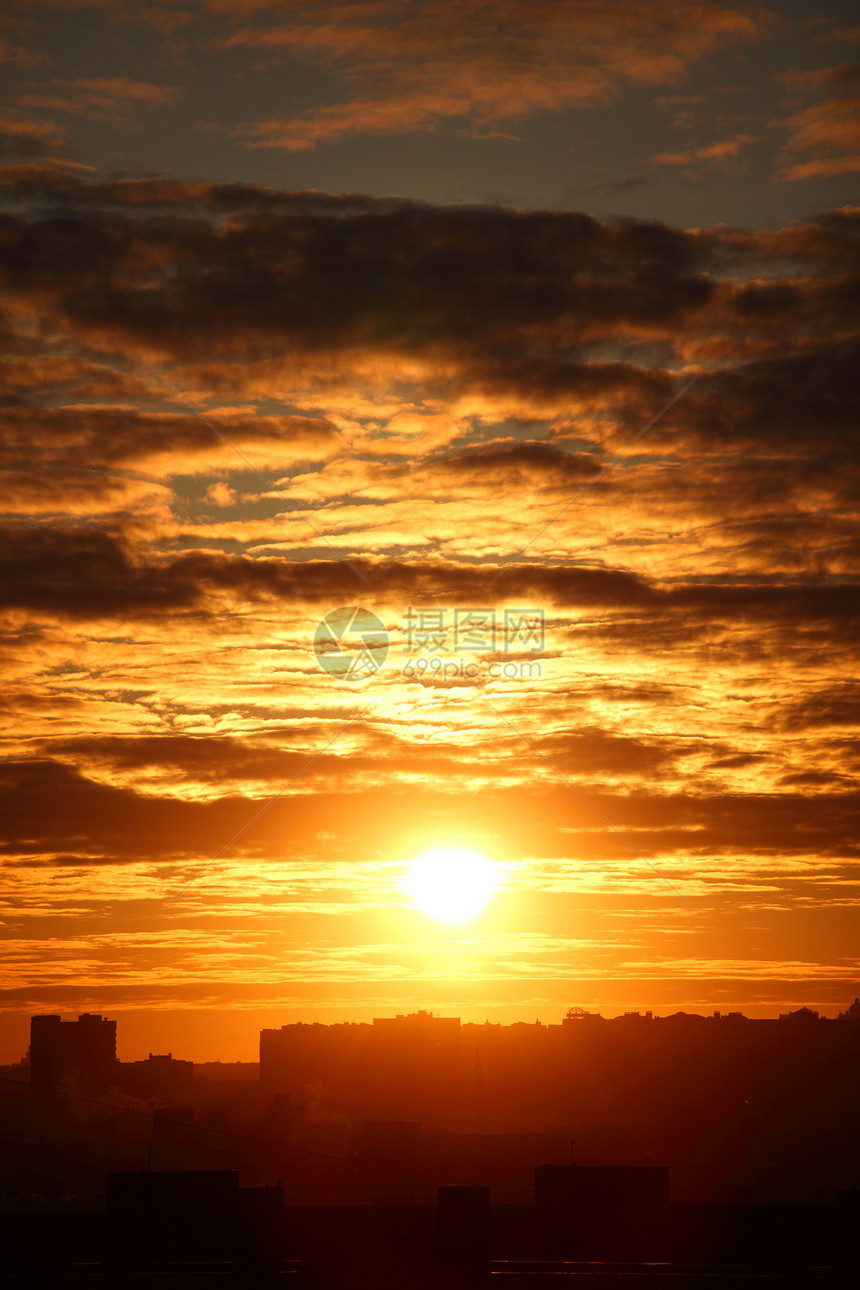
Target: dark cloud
[
  {"x": 511, "y": 305},
  {"x": 83, "y": 573},
  {"x": 110, "y": 436},
  {"x": 87, "y": 573},
  {"x": 52, "y": 809},
  {"x": 398, "y": 278},
  {"x": 838, "y": 706},
  {"x": 206, "y": 759},
  {"x": 737, "y": 762},
  {"x": 27, "y": 139},
  {"x": 515, "y": 465}
]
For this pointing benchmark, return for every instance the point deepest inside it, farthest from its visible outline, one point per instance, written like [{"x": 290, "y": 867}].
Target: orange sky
[{"x": 425, "y": 408}]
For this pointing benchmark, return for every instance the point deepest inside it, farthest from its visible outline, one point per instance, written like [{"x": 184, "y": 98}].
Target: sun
[{"x": 451, "y": 884}]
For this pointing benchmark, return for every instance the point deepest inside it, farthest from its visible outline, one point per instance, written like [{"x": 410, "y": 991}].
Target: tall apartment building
[{"x": 80, "y": 1054}]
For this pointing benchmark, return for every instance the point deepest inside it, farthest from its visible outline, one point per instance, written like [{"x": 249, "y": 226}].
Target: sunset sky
[{"x": 443, "y": 310}]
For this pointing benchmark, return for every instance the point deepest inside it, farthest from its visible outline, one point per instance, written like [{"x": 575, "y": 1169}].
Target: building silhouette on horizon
[{"x": 81, "y": 1052}]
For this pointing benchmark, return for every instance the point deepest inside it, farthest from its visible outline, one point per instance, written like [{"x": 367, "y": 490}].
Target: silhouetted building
[
  {"x": 160, "y": 1076},
  {"x": 176, "y": 1142},
  {"x": 402, "y": 1067},
  {"x": 423, "y": 1028},
  {"x": 81, "y": 1053},
  {"x": 614, "y": 1187},
  {"x": 157, "y": 1197},
  {"x": 296, "y": 1056},
  {"x": 227, "y": 1072},
  {"x": 581, "y": 1014},
  {"x": 194, "y": 1214},
  {"x": 389, "y": 1140},
  {"x": 393, "y": 1158},
  {"x": 282, "y": 1113},
  {"x": 463, "y": 1231}
]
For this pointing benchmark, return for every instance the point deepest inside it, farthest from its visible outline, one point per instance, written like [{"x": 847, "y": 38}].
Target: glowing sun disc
[{"x": 451, "y": 884}]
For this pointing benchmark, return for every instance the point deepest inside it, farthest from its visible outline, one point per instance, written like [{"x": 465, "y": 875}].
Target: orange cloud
[
  {"x": 416, "y": 70},
  {"x": 24, "y": 137},
  {"x": 830, "y": 129},
  {"x": 101, "y": 97},
  {"x": 714, "y": 153},
  {"x": 11, "y": 51}
]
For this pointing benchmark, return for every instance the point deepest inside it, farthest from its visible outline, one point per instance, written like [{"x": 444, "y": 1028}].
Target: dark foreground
[{"x": 177, "y": 1230}]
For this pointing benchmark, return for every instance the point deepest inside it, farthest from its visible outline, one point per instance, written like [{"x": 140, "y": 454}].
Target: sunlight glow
[{"x": 451, "y": 884}]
